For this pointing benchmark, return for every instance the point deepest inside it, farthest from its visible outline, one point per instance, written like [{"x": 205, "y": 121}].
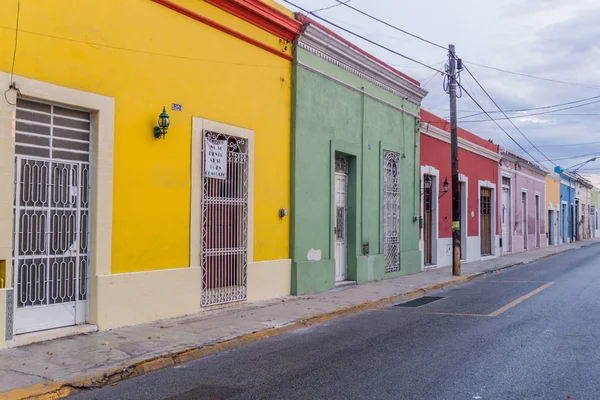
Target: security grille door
[
  {"x": 391, "y": 211},
  {"x": 224, "y": 219},
  {"x": 485, "y": 221},
  {"x": 341, "y": 204},
  {"x": 51, "y": 216}
]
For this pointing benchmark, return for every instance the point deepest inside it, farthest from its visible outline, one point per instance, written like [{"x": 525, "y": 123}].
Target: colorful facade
[
  {"x": 567, "y": 206},
  {"x": 355, "y": 169},
  {"x": 140, "y": 228},
  {"x": 595, "y": 216},
  {"x": 478, "y": 176},
  {"x": 553, "y": 208},
  {"x": 524, "y": 203},
  {"x": 583, "y": 208}
]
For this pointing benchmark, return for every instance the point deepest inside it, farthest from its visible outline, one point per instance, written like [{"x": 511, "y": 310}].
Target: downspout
[{"x": 362, "y": 165}]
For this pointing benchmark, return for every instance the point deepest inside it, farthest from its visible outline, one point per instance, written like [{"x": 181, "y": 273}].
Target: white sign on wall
[{"x": 215, "y": 159}]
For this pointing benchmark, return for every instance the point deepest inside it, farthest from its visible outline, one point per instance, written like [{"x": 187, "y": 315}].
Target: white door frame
[
  {"x": 524, "y": 229},
  {"x": 492, "y": 186},
  {"x": 435, "y": 237}
]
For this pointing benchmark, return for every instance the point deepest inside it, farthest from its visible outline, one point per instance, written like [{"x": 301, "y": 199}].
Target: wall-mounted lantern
[
  {"x": 426, "y": 184},
  {"x": 163, "y": 124},
  {"x": 445, "y": 187},
  {"x": 283, "y": 213}
]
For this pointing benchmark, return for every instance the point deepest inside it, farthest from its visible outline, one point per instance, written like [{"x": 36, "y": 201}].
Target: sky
[{"x": 552, "y": 39}]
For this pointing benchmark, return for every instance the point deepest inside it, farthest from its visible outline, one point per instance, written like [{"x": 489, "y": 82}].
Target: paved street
[{"x": 531, "y": 332}]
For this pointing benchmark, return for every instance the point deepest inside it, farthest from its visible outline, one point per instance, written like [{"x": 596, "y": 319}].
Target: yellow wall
[
  {"x": 146, "y": 56},
  {"x": 553, "y": 190}
]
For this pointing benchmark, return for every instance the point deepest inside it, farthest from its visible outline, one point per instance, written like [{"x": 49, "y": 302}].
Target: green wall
[{"x": 328, "y": 117}]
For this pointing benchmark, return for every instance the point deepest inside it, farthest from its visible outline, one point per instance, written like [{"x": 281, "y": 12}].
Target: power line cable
[
  {"x": 503, "y": 113},
  {"x": 534, "y": 114},
  {"x": 536, "y": 77},
  {"x": 364, "y": 38},
  {"x": 339, "y": 3},
  {"x": 537, "y": 108},
  {"x": 597, "y": 153},
  {"x": 500, "y": 126},
  {"x": 390, "y": 25}
]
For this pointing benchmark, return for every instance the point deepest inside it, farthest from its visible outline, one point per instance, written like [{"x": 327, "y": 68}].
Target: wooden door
[
  {"x": 427, "y": 225},
  {"x": 485, "y": 221}
]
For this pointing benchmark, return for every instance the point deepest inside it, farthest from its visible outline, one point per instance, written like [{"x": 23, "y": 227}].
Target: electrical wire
[
  {"x": 390, "y": 25},
  {"x": 364, "y": 38},
  {"x": 503, "y": 113},
  {"x": 537, "y": 108},
  {"x": 500, "y": 126},
  {"x": 12, "y": 69},
  {"x": 579, "y": 156},
  {"x": 534, "y": 114},
  {"x": 537, "y": 77},
  {"x": 339, "y": 3}
]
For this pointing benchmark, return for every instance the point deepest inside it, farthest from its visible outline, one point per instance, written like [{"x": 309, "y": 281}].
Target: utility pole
[{"x": 454, "y": 152}]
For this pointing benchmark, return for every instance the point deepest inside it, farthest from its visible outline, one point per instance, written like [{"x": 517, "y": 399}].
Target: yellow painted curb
[{"x": 58, "y": 390}]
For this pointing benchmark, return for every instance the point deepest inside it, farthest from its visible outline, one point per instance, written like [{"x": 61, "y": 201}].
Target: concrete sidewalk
[{"x": 55, "y": 368}]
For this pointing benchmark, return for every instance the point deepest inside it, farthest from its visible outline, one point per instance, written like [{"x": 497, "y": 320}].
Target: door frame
[
  {"x": 524, "y": 215},
  {"x": 353, "y": 207},
  {"x": 463, "y": 180},
  {"x": 102, "y": 109},
  {"x": 435, "y": 237},
  {"x": 508, "y": 247},
  {"x": 537, "y": 198},
  {"x": 494, "y": 208},
  {"x": 551, "y": 231}
]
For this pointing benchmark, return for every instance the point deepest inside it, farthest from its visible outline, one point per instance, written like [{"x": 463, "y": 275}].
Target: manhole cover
[{"x": 421, "y": 301}]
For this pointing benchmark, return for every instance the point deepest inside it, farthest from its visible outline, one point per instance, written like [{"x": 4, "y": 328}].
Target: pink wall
[{"x": 524, "y": 178}]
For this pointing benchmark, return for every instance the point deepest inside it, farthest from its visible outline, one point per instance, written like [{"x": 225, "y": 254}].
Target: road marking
[
  {"x": 502, "y": 309},
  {"x": 519, "y": 300},
  {"x": 492, "y": 281}
]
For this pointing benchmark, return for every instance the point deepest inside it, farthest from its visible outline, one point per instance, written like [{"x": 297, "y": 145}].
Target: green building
[{"x": 355, "y": 166}]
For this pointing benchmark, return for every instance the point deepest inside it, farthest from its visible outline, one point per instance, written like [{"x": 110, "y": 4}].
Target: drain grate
[{"x": 421, "y": 301}]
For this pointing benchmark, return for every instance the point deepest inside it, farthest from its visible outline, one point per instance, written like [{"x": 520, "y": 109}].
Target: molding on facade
[
  {"x": 516, "y": 159},
  {"x": 440, "y": 134},
  {"x": 494, "y": 209},
  {"x": 435, "y": 233},
  {"x": 323, "y": 45},
  {"x": 512, "y": 171},
  {"x": 225, "y": 29},
  {"x": 261, "y": 15},
  {"x": 344, "y": 84}
]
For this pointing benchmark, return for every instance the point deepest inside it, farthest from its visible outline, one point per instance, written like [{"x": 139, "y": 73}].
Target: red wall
[{"x": 436, "y": 153}]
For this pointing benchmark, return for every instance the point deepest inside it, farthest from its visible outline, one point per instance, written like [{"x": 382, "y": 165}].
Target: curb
[{"x": 58, "y": 390}]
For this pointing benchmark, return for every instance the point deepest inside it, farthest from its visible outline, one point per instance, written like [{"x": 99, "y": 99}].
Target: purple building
[{"x": 522, "y": 204}]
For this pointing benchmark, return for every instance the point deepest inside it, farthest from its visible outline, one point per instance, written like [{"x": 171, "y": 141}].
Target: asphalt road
[{"x": 519, "y": 337}]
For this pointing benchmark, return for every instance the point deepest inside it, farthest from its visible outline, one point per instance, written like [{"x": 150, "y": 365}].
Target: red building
[{"x": 478, "y": 175}]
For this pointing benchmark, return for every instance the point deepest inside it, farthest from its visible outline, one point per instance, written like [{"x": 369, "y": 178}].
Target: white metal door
[
  {"x": 340, "y": 230},
  {"x": 51, "y": 216},
  {"x": 224, "y": 219},
  {"x": 505, "y": 219}
]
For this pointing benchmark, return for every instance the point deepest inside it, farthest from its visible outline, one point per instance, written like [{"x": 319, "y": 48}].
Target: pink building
[{"x": 522, "y": 205}]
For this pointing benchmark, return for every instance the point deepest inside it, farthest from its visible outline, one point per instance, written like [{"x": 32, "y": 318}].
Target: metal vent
[{"x": 421, "y": 301}]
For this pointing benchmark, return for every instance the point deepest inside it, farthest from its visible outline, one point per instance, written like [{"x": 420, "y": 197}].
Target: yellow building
[
  {"x": 113, "y": 226},
  {"x": 553, "y": 206}
]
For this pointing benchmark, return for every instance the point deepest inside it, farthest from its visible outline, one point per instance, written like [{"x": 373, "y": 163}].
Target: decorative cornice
[
  {"x": 340, "y": 54},
  {"x": 524, "y": 175},
  {"x": 262, "y": 15},
  {"x": 444, "y": 136},
  {"x": 225, "y": 29},
  {"x": 515, "y": 158}
]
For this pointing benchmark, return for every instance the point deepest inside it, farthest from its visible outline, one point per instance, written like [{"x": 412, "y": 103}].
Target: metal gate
[
  {"x": 341, "y": 216},
  {"x": 51, "y": 216},
  {"x": 225, "y": 223},
  {"x": 391, "y": 211}
]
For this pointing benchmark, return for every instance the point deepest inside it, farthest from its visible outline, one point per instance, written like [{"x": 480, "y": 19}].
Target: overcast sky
[{"x": 554, "y": 39}]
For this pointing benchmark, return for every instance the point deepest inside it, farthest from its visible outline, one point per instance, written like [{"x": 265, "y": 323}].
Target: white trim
[
  {"x": 513, "y": 171},
  {"x": 336, "y": 52},
  {"x": 494, "y": 207},
  {"x": 524, "y": 216},
  {"x": 102, "y": 166},
  {"x": 199, "y": 125},
  {"x": 435, "y": 236},
  {"x": 464, "y": 216},
  {"x": 444, "y": 136},
  {"x": 528, "y": 164}
]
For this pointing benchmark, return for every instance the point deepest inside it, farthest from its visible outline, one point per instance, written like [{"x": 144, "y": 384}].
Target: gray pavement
[
  {"x": 530, "y": 332},
  {"x": 79, "y": 356}
]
